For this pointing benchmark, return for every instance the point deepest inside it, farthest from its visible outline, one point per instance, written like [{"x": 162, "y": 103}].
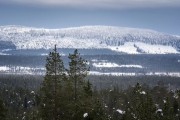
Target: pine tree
[
  {"x": 142, "y": 106},
  {"x": 97, "y": 110},
  {"x": 168, "y": 110},
  {"x": 129, "y": 115},
  {"x": 2, "y": 111},
  {"x": 25, "y": 104},
  {"x": 175, "y": 107},
  {"x": 77, "y": 73},
  {"x": 52, "y": 87},
  {"x": 93, "y": 105},
  {"x": 88, "y": 89}
]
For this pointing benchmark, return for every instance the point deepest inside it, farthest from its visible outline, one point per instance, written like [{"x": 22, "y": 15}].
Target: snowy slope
[{"x": 120, "y": 39}]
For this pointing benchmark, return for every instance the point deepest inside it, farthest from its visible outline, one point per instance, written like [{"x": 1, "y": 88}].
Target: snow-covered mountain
[{"x": 119, "y": 39}]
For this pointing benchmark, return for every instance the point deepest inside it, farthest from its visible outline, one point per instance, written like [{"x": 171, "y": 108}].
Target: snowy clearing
[
  {"x": 139, "y": 47},
  {"x": 111, "y": 65}
]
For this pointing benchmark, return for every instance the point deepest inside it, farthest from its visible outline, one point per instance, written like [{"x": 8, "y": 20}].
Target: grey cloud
[{"x": 100, "y": 3}]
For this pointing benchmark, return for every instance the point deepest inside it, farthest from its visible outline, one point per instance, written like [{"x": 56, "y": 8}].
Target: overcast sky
[{"x": 160, "y": 15}]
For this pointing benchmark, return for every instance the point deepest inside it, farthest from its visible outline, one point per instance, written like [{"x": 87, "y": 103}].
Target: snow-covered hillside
[{"x": 125, "y": 40}]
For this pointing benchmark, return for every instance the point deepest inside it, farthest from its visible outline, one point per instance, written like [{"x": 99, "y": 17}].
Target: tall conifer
[{"x": 52, "y": 87}]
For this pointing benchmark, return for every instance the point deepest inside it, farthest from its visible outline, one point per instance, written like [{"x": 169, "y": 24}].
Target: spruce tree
[{"x": 52, "y": 87}]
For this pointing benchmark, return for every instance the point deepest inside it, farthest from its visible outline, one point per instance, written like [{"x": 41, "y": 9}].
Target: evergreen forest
[{"x": 69, "y": 93}]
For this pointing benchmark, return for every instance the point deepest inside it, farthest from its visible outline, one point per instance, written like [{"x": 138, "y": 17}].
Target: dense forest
[{"x": 70, "y": 94}]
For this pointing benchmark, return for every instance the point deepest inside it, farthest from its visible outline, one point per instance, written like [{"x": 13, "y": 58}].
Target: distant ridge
[{"x": 119, "y": 39}]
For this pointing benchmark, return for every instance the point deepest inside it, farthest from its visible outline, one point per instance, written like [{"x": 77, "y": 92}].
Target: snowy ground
[
  {"x": 111, "y": 65},
  {"x": 139, "y": 47}
]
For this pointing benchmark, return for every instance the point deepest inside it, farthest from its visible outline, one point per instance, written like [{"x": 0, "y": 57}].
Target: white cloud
[{"x": 101, "y": 3}]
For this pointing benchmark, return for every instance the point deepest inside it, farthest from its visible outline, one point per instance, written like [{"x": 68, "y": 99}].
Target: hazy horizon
[{"x": 162, "y": 16}]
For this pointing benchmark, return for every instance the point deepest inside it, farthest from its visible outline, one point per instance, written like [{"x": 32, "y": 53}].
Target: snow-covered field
[
  {"x": 139, "y": 47},
  {"x": 105, "y": 64},
  {"x": 126, "y": 48},
  {"x": 111, "y": 65}
]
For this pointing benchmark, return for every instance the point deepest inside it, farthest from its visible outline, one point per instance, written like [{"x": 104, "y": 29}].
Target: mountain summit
[{"x": 119, "y": 39}]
